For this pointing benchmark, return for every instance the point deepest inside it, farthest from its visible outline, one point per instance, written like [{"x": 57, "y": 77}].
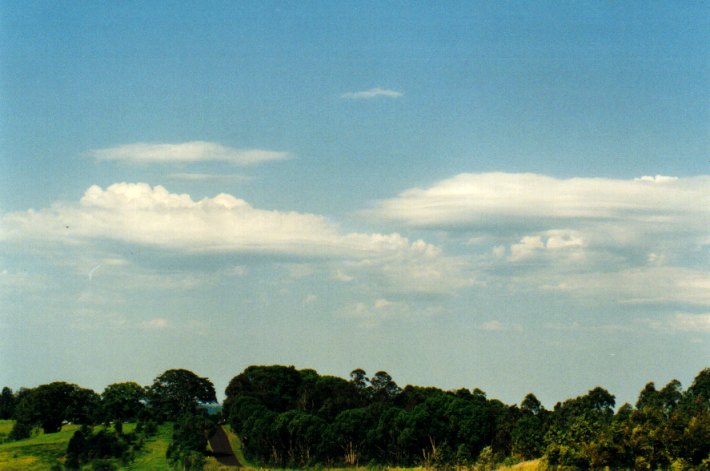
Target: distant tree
[
  {"x": 531, "y": 405},
  {"x": 49, "y": 405},
  {"x": 326, "y": 396},
  {"x": 7, "y": 403},
  {"x": 359, "y": 378},
  {"x": 277, "y": 387},
  {"x": 701, "y": 385},
  {"x": 178, "y": 392},
  {"x": 122, "y": 401},
  {"x": 383, "y": 386}
]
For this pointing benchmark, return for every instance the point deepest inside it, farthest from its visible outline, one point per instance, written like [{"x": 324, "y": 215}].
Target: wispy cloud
[
  {"x": 498, "y": 326},
  {"x": 372, "y": 314},
  {"x": 372, "y": 93},
  {"x": 207, "y": 177},
  {"x": 683, "y": 322},
  {"x": 186, "y": 152}
]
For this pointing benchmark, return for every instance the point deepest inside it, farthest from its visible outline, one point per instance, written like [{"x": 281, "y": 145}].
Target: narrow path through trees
[{"x": 222, "y": 450}]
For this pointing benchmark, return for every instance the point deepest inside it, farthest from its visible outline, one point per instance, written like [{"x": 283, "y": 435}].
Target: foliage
[
  {"x": 179, "y": 392},
  {"x": 189, "y": 442},
  {"x": 287, "y": 417},
  {"x": 297, "y": 418},
  {"x": 7, "y": 404},
  {"x": 49, "y": 405},
  {"x": 122, "y": 401}
]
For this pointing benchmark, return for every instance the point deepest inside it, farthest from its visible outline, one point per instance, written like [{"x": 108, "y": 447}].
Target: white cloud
[
  {"x": 342, "y": 276},
  {"x": 492, "y": 199},
  {"x": 185, "y": 152},
  {"x": 526, "y": 248},
  {"x": 560, "y": 243},
  {"x": 632, "y": 241},
  {"x": 372, "y": 314},
  {"x": 136, "y": 213},
  {"x": 157, "y": 323},
  {"x": 140, "y": 214},
  {"x": 372, "y": 93}
]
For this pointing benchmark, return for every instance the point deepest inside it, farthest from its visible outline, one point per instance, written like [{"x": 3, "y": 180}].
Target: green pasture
[
  {"x": 42, "y": 451},
  {"x": 152, "y": 455},
  {"x": 39, "y": 452}
]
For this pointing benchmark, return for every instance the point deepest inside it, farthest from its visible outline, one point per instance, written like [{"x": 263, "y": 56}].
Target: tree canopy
[{"x": 178, "y": 392}]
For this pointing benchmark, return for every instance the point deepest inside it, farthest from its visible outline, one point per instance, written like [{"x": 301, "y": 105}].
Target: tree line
[
  {"x": 287, "y": 417},
  {"x": 292, "y": 418}
]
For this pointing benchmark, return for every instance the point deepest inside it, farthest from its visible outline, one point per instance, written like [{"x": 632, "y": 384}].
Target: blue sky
[{"x": 505, "y": 195}]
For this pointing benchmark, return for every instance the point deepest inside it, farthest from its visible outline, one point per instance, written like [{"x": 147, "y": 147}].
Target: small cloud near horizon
[{"x": 372, "y": 93}]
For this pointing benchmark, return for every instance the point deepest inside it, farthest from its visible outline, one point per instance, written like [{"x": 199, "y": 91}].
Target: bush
[
  {"x": 189, "y": 442},
  {"x": 101, "y": 449},
  {"x": 21, "y": 430}
]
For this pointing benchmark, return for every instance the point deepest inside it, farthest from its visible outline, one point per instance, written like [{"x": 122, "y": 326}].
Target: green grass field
[
  {"x": 152, "y": 456},
  {"x": 42, "y": 451},
  {"x": 5, "y": 428}
]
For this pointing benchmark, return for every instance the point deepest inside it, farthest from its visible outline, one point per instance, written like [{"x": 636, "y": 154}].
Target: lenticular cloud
[
  {"x": 495, "y": 198},
  {"x": 193, "y": 151}
]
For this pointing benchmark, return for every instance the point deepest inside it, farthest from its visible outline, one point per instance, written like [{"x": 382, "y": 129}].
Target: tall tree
[
  {"x": 122, "y": 401},
  {"x": 7, "y": 403},
  {"x": 178, "y": 392}
]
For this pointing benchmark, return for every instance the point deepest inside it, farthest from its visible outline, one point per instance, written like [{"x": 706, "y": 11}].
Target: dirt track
[{"x": 222, "y": 450}]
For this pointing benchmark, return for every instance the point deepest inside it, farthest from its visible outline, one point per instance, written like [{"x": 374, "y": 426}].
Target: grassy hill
[
  {"x": 43, "y": 451},
  {"x": 40, "y": 452}
]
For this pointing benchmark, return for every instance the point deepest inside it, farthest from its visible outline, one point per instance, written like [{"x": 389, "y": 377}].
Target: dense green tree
[
  {"x": 383, "y": 386},
  {"x": 576, "y": 425},
  {"x": 277, "y": 387},
  {"x": 288, "y": 417},
  {"x": 701, "y": 385},
  {"x": 326, "y": 396},
  {"x": 528, "y": 434},
  {"x": 191, "y": 434},
  {"x": 178, "y": 392},
  {"x": 528, "y": 437},
  {"x": 99, "y": 448},
  {"x": 347, "y": 435},
  {"x": 7, "y": 403},
  {"x": 122, "y": 401},
  {"x": 49, "y": 405}
]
